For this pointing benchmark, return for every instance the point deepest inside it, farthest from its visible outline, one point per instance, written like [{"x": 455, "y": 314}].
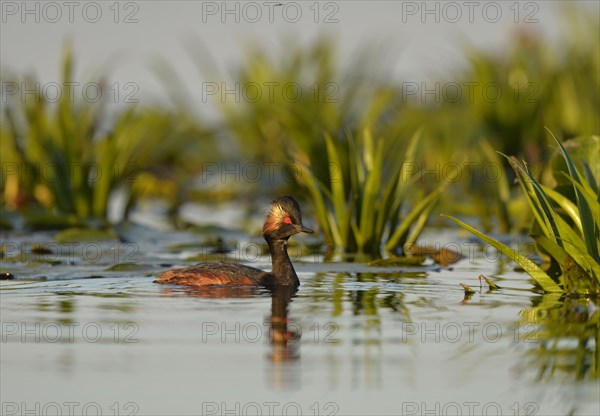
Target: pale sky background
[{"x": 418, "y": 46}]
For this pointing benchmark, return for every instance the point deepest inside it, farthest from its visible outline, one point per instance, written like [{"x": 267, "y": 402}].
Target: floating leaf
[
  {"x": 129, "y": 267},
  {"x": 398, "y": 261},
  {"x": 75, "y": 235}
]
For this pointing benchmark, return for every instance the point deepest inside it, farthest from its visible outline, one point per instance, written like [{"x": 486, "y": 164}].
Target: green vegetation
[
  {"x": 516, "y": 94},
  {"x": 363, "y": 199},
  {"x": 66, "y": 157},
  {"x": 565, "y": 230}
]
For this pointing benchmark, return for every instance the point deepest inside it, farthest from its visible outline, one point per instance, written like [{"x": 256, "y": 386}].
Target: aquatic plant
[
  {"x": 371, "y": 197},
  {"x": 507, "y": 97},
  {"x": 66, "y": 156},
  {"x": 568, "y": 231}
]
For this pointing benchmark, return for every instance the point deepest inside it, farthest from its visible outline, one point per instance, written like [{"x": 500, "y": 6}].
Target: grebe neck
[{"x": 283, "y": 270}]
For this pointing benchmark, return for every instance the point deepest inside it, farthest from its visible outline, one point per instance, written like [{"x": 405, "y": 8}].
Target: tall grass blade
[
  {"x": 590, "y": 196},
  {"x": 591, "y": 180},
  {"x": 412, "y": 216},
  {"x": 565, "y": 203},
  {"x": 584, "y": 209},
  {"x": 418, "y": 226},
  {"x": 557, "y": 252},
  {"x": 338, "y": 193},
  {"x": 549, "y": 217},
  {"x": 371, "y": 191},
  {"x": 529, "y": 266},
  {"x": 319, "y": 208}
]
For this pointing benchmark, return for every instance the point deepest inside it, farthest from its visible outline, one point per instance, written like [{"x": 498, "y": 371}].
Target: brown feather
[{"x": 205, "y": 274}]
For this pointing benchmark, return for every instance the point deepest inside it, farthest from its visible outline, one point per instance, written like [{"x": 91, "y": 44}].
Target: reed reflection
[{"x": 564, "y": 334}]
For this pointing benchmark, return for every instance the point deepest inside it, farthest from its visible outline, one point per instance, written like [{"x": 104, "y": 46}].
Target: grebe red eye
[{"x": 287, "y": 220}]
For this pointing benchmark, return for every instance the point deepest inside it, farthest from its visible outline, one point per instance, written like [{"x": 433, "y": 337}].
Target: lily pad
[
  {"x": 73, "y": 235},
  {"x": 128, "y": 267},
  {"x": 398, "y": 261}
]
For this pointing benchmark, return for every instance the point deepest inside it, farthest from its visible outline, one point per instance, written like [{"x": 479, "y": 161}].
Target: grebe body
[{"x": 283, "y": 221}]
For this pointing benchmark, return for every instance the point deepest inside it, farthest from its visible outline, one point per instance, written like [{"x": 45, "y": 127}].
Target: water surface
[{"x": 353, "y": 340}]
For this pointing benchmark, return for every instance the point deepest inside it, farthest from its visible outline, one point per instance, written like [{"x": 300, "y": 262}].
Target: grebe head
[{"x": 284, "y": 219}]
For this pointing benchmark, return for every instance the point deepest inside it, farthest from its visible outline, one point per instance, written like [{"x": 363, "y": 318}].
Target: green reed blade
[
  {"x": 529, "y": 266},
  {"x": 410, "y": 219},
  {"x": 584, "y": 209}
]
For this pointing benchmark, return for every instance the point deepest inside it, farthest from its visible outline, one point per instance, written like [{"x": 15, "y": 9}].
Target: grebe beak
[{"x": 306, "y": 230}]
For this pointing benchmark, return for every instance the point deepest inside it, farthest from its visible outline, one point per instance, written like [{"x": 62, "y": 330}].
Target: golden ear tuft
[
  {"x": 276, "y": 215},
  {"x": 278, "y": 212}
]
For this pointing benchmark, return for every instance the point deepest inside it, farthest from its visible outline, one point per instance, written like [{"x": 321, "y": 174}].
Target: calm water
[{"x": 353, "y": 340}]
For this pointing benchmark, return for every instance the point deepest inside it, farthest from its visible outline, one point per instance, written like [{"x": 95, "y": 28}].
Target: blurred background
[{"x": 106, "y": 104}]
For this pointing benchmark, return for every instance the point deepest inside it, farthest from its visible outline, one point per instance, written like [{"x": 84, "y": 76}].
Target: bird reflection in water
[
  {"x": 283, "y": 370},
  {"x": 283, "y": 334}
]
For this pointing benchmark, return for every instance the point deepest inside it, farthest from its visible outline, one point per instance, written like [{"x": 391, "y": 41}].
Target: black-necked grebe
[{"x": 283, "y": 221}]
